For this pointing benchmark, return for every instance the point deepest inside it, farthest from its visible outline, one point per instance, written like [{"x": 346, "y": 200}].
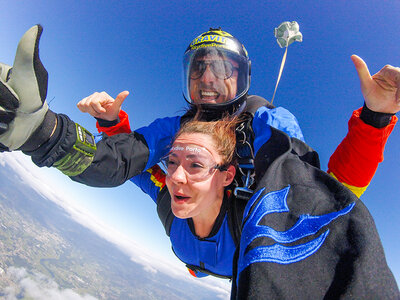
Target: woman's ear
[{"x": 230, "y": 175}]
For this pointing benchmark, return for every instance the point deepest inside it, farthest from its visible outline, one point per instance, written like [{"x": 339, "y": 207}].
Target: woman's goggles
[
  {"x": 197, "y": 162},
  {"x": 222, "y": 69}
]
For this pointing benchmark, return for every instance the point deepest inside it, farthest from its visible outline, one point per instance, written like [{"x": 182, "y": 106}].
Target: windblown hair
[{"x": 222, "y": 133}]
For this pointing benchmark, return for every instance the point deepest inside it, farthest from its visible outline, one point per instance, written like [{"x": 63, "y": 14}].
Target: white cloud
[
  {"x": 151, "y": 262},
  {"x": 37, "y": 287}
]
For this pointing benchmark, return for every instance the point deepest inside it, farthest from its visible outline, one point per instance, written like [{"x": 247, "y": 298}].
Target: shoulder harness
[{"x": 244, "y": 179}]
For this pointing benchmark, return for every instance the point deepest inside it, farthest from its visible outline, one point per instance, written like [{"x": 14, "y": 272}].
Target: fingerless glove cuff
[
  {"x": 375, "y": 119},
  {"x": 105, "y": 123},
  {"x": 42, "y": 134}
]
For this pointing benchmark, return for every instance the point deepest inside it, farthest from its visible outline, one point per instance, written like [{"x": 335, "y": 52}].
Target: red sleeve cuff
[
  {"x": 356, "y": 158},
  {"x": 122, "y": 127}
]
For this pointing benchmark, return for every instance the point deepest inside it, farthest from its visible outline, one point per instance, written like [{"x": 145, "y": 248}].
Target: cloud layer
[
  {"x": 37, "y": 179},
  {"x": 37, "y": 286}
]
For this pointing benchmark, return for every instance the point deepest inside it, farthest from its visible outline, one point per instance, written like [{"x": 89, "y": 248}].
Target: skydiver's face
[
  {"x": 211, "y": 88},
  {"x": 197, "y": 199}
]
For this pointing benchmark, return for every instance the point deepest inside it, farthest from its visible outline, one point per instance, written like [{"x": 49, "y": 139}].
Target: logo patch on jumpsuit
[{"x": 306, "y": 225}]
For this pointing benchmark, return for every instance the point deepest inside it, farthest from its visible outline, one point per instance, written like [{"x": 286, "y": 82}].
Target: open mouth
[
  {"x": 208, "y": 95},
  {"x": 180, "y": 199}
]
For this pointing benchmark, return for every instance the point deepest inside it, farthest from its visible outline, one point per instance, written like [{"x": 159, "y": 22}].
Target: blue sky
[{"x": 90, "y": 46}]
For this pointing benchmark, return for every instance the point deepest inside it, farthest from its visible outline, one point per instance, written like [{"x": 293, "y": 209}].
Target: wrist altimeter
[{"x": 80, "y": 155}]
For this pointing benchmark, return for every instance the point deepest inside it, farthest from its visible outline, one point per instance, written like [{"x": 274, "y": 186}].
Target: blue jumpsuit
[{"x": 214, "y": 253}]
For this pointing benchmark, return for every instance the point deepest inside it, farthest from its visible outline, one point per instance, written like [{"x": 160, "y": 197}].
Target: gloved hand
[
  {"x": 8, "y": 100},
  {"x": 23, "y": 90}
]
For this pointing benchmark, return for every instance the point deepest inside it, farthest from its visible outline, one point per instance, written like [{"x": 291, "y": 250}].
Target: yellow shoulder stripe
[{"x": 358, "y": 191}]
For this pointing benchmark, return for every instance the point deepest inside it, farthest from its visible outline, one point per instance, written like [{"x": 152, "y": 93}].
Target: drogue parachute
[{"x": 286, "y": 33}]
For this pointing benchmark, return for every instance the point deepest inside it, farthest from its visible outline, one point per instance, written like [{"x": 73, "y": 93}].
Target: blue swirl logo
[{"x": 275, "y": 202}]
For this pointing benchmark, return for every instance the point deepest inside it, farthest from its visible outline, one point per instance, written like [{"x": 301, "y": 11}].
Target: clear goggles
[{"x": 197, "y": 162}]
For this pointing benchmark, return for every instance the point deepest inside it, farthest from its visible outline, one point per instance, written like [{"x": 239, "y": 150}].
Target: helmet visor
[{"x": 213, "y": 75}]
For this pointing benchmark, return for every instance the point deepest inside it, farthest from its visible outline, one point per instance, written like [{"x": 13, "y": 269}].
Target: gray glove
[{"x": 23, "y": 90}]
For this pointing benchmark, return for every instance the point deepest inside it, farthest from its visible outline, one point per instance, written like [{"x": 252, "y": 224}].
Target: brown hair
[{"x": 222, "y": 133}]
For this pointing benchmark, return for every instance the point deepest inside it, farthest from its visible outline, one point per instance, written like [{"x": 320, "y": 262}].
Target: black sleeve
[{"x": 117, "y": 159}]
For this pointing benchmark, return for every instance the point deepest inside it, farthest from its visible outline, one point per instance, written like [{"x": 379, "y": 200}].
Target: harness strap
[
  {"x": 244, "y": 147},
  {"x": 245, "y": 158}
]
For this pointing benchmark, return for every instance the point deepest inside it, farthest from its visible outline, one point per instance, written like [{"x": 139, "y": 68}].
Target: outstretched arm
[
  {"x": 112, "y": 120},
  {"x": 356, "y": 159},
  {"x": 53, "y": 139}
]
